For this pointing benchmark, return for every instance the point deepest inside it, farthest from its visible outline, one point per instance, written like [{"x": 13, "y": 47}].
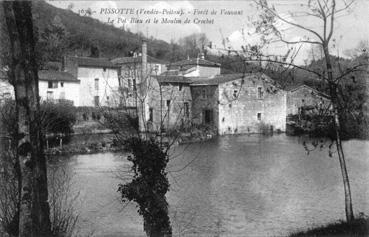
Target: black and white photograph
[{"x": 210, "y": 118}]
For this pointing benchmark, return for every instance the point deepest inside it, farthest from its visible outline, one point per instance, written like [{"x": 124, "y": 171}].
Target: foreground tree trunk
[
  {"x": 34, "y": 210},
  {"x": 341, "y": 156}
]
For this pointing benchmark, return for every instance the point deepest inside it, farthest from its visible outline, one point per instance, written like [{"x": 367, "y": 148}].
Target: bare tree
[
  {"x": 34, "y": 209},
  {"x": 326, "y": 11}
]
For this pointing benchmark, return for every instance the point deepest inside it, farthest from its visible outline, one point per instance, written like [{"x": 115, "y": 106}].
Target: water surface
[{"x": 230, "y": 186}]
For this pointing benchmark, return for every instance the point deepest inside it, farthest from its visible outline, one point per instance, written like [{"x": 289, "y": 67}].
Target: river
[{"x": 247, "y": 185}]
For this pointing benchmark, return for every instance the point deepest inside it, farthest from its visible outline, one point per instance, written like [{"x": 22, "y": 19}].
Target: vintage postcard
[{"x": 184, "y": 118}]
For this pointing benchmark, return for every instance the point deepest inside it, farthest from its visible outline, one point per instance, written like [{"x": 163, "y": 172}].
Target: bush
[
  {"x": 55, "y": 118},
  {"x": 58, "y": 118}
]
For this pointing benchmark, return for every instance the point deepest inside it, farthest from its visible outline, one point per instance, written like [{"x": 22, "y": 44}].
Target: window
[
  {"x": 97, "y": 84},
  {"x": 61, "y": 84},
  {"x": 168, "y": 103},
  {"x": 134, "y": 84},
  {"x": 203, "y": 93},
  {"x": 51, "y": 84},
  {"x": 180, "y": 87},
  {"x": 50, "y": 95},
  {"x": 260, "y": 93},
  {"x": 129, "y": 83},
  {"x": 151, "y": 115},
  {"x": 208, "y": 116},
  {"x": 186, "y": 109},
  {"x": 259, "y": 116},
  {"x": 235, "y": 93},
  {"x": 96, "y": 100}
]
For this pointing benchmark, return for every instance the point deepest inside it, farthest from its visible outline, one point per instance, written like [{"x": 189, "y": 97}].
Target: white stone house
[
  {"x": 56, "y": 86},
  {"x": 99, "y": 81}
]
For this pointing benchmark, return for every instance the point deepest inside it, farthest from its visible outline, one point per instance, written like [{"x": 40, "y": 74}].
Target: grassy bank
[{"x": 359, "y": 227}]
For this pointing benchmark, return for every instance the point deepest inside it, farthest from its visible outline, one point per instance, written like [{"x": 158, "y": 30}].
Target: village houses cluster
[{"x": 167, "y": 95}]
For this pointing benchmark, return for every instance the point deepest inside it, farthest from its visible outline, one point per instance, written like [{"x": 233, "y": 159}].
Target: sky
[{"x": 222, "y": 19}]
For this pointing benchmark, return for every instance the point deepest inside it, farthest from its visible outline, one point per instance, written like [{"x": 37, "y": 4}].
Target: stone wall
[
  {"x": 107, "y": 89},
  {"x": 251, "y": 105},
  {"x": 304, "y": 96},
  {"x": 168, "y": 104},
  {"x": 204, "y": 98}
]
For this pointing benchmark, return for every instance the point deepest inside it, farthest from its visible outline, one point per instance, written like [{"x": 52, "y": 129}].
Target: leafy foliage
[{"x": 149, "y": 185}]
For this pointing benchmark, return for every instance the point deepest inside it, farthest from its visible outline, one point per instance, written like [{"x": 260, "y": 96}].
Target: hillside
[{"x": 82, "y": 33}]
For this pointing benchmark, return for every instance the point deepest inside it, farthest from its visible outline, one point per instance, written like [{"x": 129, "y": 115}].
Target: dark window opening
[
  {"x": 235, "y": 93},
  {"x": 259, "y": 116},
  {"x": 151, "y": 114},
  {"x": 134, "y": 84},
  {"x": 96, "y": 100},
  {"x": 180, "y": 87},
  {"x": 168, "y": 103},
  {"x": 186, "y": 109},
  {"x": 51, "y": 84},
  {"x": 260, "y": 93},
  {"x": 208, "y": 116},
  {"x": 97, "y": 84},
  {"x": 61, "y": 84},
  {"x": 129, "y": 84},
  {"x": 203, "y": 93}
]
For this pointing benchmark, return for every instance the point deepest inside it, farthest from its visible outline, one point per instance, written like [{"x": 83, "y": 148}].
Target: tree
[
  {"x": 326, "y": 11},
  {"x": 34, "y": 211},
  {"x": 194, "y": 44}
]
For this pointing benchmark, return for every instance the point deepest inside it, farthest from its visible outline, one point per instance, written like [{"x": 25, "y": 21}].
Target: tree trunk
[
  {"x": 341, "y": 157},
  {"x": 34, "y": 210}
]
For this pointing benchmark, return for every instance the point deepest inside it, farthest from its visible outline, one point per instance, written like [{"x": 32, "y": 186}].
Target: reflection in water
[{"x": 230, "y": 186}]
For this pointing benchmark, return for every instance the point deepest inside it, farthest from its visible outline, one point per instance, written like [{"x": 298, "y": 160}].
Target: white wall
[
  {"x": 107, "y": 90},
  {"x": 70, "y": 90}
]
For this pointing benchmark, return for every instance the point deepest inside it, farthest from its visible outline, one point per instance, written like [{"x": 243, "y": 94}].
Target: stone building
[
  {"x": 54, "y": 86},
  {"x": 239, "y": 103},
  {"x": 132, "y": 69},
  {"x": 168, "y": 103},
  {"x": 195, "y": 67},
  {"x": 99, "y": 83},
  {"x": 305, "y": 97}
]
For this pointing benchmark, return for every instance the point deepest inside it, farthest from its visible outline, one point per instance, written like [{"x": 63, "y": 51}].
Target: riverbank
[{"x": 359, "y": 227}]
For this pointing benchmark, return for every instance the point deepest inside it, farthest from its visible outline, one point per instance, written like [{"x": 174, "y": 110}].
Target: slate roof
[
  {"x": 223, "y": 78},
  {"x": 216, "y": 80},
  {"x": 293, "y": 88},
  {"x": 93, "y": 62},
  {"x": 127, "y": 60},
  {"x": 48, "y": 75},
  {"x": 193, "y": 61},
  {"x": 173, "y": 79}
]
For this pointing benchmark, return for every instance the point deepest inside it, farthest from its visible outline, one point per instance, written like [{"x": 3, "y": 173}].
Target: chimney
[
  {"x": 64, "y": 61},
  {"x": 144, "y": 58}
]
